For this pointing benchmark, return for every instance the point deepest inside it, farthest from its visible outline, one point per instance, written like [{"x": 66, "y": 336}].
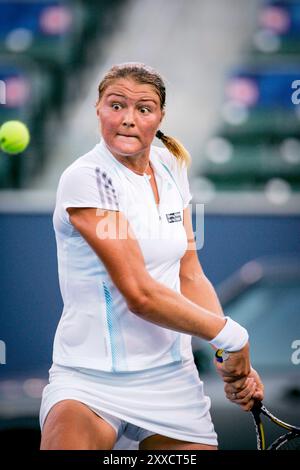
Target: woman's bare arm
[
  {"x": 147, "y": 298},
  {"x": 193, "y": 282}
]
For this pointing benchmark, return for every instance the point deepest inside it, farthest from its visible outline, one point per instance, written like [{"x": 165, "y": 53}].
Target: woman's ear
[{"x": 162, "y": 115}]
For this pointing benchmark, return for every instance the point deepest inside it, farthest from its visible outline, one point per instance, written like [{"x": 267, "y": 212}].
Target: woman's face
[{"x": 129, "y": 116}]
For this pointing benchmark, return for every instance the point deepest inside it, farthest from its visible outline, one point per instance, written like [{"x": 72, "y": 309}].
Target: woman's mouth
[{"x": 127, "y": 136}]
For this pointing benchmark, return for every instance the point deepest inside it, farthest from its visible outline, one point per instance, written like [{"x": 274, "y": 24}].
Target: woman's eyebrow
[
  {"x": 123, "y": 96},
  {"x": 148, "y": 99},
  {"x": 116, "y": 94}
]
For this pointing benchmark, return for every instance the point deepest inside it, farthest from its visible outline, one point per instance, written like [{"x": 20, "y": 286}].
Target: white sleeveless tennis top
[{"x": 96, "y": 329}]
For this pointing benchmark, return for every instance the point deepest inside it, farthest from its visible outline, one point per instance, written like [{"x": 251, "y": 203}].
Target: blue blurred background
[{"x": 232, "y": 72}]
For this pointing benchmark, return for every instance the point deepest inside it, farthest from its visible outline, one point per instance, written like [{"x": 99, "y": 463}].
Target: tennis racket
[{"x": 288, "y": 441}]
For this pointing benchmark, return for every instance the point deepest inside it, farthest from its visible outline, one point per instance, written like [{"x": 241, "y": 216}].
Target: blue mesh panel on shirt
[
  {"x": 175, "y": 351},
  {"x": 116, "y": 339}
]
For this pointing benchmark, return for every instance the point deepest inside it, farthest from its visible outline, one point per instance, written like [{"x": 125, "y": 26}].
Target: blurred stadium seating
[
  {"x": 278, "y": 28},
  {"x": 42, "y": 43},
  {"x": 28, "y": 95},
  {"x": 45, "y": 42},
  {"x": 258, "y": 139}
]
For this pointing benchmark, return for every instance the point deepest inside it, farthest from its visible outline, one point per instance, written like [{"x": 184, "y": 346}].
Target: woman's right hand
[{"x": 245, "y": 392}]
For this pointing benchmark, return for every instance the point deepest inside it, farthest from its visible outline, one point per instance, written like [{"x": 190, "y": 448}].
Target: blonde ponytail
[{"x": 176, "y": 148}]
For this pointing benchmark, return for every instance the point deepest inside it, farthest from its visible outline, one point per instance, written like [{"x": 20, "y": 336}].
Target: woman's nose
[{"x": 128, "y": 120}]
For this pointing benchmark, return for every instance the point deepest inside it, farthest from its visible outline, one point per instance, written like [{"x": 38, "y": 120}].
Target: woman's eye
[
  {"x": 116, "y": 106},
  {"x": 145, "y": 110}
]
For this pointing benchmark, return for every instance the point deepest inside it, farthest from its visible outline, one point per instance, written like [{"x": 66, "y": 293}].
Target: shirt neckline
[{"x": 130, "y": 173}]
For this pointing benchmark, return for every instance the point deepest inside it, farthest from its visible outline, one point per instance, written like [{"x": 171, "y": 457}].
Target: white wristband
[{"x": 232, "y": 337}]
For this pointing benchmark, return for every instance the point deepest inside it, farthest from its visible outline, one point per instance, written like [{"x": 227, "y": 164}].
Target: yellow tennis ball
[{"x": 14, "y": 137}]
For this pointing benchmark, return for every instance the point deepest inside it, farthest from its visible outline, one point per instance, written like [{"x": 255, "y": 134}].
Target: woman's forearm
[
  {"x": 198, "y": 289},
  {"x": 169, "y": 309}
]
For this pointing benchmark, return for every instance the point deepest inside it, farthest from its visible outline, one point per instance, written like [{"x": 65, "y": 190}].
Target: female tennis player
[{"x": 133, "y": 289}]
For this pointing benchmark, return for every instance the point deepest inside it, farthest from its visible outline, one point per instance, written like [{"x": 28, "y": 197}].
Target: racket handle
[{"x": 256, "y": 408}]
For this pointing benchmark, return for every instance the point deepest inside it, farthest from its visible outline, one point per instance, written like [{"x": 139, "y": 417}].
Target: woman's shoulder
[
  {"x": 88, "y": 164},
  {"x": 168, "y": 160},
  {"x": 164, "y": 156}
]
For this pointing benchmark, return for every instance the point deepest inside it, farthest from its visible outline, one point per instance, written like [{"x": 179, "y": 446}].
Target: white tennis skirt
[{"x": 167, "y": 400}]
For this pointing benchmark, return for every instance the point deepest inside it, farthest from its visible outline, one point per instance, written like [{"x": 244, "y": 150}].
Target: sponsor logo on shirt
[{"x": 173, "y": 217}]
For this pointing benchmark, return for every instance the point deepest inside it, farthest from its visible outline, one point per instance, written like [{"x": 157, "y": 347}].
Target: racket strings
[
  {"x": 290, "y": 442},
  {"x": 277, "y": 421}
]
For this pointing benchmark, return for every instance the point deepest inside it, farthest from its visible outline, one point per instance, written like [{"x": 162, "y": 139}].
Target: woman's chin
[{"x": 127, "y": 149}]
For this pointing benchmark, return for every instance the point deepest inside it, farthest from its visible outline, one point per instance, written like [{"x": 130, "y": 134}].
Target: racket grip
[{"x": 257, "y": 406}]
